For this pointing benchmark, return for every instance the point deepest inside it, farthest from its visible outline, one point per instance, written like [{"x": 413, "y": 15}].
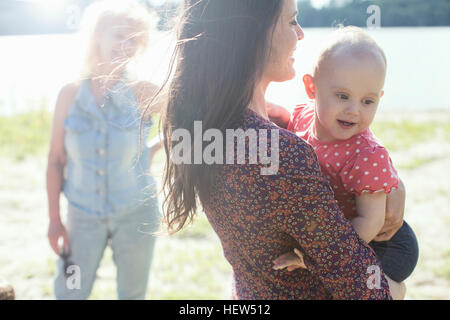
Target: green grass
[
  {"x": 400, "y": 135},
  {"x": 155, "y": 128},
  {"x": 189, "y": 268},
  {"x": 47, "y": 290},
  {"x": 444, "y": 271},
  {"x": 193, "y": 260},
  {"x": 29, "y": 134},
  {"x": 188, "y": 265},
  {"x": 25, "y": 134},
  {"x": 200, "y": 228},
  {"x": 50, "y": 265},
  {"x": 414, "y": 163},
  {"x": 104, "y": 293}
]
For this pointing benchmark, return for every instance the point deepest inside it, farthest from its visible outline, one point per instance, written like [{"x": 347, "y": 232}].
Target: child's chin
[{"x": 344, "y": 136}]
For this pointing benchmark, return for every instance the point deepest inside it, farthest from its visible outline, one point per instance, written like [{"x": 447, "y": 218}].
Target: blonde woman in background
[{"x": 97, "y": 159}]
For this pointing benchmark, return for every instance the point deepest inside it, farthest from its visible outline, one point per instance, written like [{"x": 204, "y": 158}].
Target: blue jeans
[
  {"x": 130, "y": 242},
  {"x": 399, "y": 255}
]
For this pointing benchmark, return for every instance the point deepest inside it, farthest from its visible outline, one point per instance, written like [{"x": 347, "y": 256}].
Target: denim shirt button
[
  {"x": 100, "y": 192},
  {"x": 101, "y": 151},
  {"x": 100, "y": 172}
]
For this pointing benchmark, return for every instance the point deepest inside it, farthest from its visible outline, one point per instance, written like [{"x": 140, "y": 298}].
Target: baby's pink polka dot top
[{"x": 359, "y": 164}]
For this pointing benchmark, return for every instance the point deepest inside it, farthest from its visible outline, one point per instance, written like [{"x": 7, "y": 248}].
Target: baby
[{"x": 345, "y": 89}]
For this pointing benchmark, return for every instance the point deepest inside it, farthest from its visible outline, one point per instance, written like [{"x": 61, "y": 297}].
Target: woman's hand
[
  {"x": 56, "y": 230},
  {"x": 290, "y": 260},
  {"x": 398, "y": 290},
  {"x": 395, "y": 209}
]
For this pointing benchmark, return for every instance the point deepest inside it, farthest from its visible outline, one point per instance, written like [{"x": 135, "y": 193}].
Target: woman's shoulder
[
  {"x": 142, "y": 86},
  {"x": 70, "y": 90},
  {"x": 291, "y": 148},
  {"x": 66, "y": 96},
  {"x": 145, "y": 93},
  {"x": 144, "y": 90}
]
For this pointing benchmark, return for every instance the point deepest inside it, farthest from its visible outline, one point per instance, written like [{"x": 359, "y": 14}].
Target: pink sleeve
[
  {"x": 371, "y": 171},
  {"x": 295, "y": 118},
  {"x": 300, "y": 115}
]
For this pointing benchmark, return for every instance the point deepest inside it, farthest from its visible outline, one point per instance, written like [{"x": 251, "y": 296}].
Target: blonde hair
[
  {"x": 100, "y": 15},
  {"x": 352, "y": 39}
]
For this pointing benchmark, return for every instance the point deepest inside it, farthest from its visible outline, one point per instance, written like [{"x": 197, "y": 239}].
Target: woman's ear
[
  {"x": 382, "y": 93},
  {"x": 310, "y": 88}
]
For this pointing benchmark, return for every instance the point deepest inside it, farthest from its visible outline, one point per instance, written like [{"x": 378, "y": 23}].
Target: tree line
[
  {"x": 393, "y": 13},
  {"x": 23, "y": 17}
]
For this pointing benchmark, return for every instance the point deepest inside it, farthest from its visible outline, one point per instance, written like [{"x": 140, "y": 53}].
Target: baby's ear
[{"x": 310, "y": 88}]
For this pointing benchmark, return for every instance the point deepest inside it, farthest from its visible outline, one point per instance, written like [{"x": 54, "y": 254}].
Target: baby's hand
[
  {"x": 290, "y": 260},
  {"x": 278, "y": 115}
]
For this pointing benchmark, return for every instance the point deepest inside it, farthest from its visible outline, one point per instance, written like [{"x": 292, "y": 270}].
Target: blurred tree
[{"x": 393, "y": 13}]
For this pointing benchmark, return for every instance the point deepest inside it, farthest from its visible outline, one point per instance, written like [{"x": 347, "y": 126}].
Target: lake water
[{"x": 34, "y": 68}]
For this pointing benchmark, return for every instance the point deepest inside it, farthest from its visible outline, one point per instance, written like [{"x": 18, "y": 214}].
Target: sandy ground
[{"x": 27, "y": 262}]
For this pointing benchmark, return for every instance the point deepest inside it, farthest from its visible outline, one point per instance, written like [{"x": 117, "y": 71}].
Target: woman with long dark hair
[{"x": 227, "y": 54}]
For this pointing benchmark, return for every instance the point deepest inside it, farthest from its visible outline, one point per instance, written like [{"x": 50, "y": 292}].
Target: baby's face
[{"x": 347, "y": 92}]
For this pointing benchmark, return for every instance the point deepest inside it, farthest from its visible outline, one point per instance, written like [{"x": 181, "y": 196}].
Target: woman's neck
[
  {"x": 105, "y": 77},
  {"x": 102, "y": 81},
  {"x": 258, "y": 103}
]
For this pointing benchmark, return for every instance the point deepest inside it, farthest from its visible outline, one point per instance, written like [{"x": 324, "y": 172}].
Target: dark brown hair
[{"x": 221, "y": 52}]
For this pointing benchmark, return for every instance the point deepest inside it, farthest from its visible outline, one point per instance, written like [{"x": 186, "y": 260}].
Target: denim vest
[{"x": 105, "y": 173}]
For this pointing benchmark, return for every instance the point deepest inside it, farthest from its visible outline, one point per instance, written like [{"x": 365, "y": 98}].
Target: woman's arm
[
  {"x": 154, "y": 145},
  {"x": 332, "y": 250},
  {"x": 55, "y": 167},
  {"x": 370, "y": 210},
  {"x": 148, "y": 101},
  {"x": 149, "y": 105}
]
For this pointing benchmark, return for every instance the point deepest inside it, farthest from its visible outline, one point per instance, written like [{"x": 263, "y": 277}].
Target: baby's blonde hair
[
  {"x": 100, "y": 15},
  {"x": 352, "y": 39}
]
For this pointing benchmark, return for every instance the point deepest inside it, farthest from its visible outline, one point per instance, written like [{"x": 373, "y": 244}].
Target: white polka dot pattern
[{"x": 359, "y": 164}]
